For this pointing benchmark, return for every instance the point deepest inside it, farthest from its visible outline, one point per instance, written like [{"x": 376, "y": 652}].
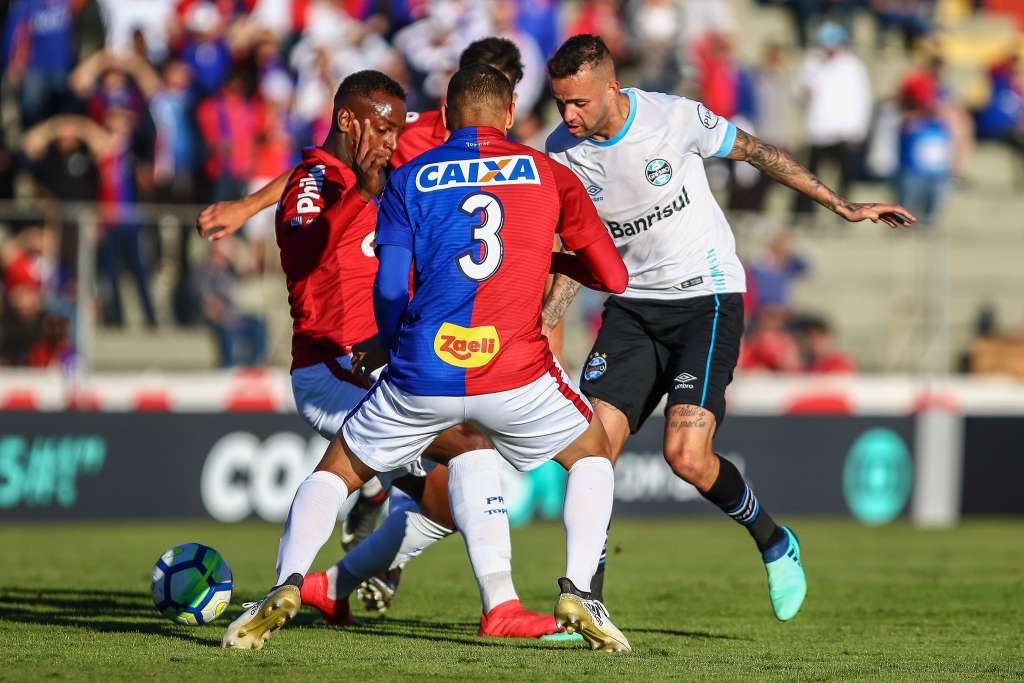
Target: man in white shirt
[
  {"x": 676, "y": 329},
  {"x": 834, "y": 87}
]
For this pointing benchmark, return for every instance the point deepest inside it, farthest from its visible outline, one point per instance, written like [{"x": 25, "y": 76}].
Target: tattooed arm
[
  {"x": 556, "y": 303},
  {"x": 780, "y": 166}
]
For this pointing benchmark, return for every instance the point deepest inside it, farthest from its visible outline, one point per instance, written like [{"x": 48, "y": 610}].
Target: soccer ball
[{"x": 191, "y": 584}]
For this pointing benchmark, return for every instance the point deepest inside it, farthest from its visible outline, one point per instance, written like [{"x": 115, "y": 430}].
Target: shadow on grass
[
  {"x": 459, "y": 633},
  {"x": 685, "y": 634},
  {"x": 129, "y": 612},
  {"x": 106, "y": 611},
  {"x": 95, "y": 610}
]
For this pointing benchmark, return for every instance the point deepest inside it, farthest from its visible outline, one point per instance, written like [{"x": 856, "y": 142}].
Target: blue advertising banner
[{"x": 238, "y": 466}]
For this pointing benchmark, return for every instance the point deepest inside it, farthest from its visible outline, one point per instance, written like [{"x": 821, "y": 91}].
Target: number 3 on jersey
[{"x": 493, "y": 217}]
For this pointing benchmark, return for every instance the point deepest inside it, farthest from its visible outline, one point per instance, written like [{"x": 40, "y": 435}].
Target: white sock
[
  {"x": 588, "y": 509},
  {"x": 317, "y": 504},
  {"x": 419, "y": 532},
  {"x": 478, "y": 508},
  {"x": 405, "y": 534}
]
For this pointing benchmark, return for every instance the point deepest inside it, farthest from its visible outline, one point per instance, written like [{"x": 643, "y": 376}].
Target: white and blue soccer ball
[{"x": 191, "y": 584}]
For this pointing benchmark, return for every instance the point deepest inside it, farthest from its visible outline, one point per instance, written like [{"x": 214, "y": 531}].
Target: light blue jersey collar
[{"x": 625, "y": 127}]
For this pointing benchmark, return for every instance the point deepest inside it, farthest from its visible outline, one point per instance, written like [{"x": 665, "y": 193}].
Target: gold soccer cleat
[
  {"x": 580, "y": 613},
  {"x": 251, "y": 630}
]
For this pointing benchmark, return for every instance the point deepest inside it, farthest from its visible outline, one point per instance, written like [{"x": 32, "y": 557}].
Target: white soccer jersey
[{"x": 650, "y": 189}]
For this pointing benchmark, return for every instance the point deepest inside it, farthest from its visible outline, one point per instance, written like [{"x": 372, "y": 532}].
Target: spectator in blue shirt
[
  {"x": 926, "y": 150},
  {"x": 772, "y": 276},
  {"x": 206, "y": 52},
  {"x": 39, "y": 52}
]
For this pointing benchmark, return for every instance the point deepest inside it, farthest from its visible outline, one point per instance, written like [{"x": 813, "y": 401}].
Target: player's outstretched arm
[
  {"x": 597, "y": 266},
  {"x": 224, "y": 218},
  {"x": 780, "y": 166}
]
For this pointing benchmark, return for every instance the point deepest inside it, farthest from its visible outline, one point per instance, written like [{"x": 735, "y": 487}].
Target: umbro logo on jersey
[
  {"x": 466, "y": 347},
  {"x": 594, "y": 191},
  {"x": 684, "y": 380},
  {"x": 490, "y": 171}
]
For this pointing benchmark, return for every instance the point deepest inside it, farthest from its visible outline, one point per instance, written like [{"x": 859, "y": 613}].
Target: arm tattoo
[
  {"x": 563, "y": 291},
  {"x": 779, "y": 165},
  {"x": 685, "y": 416}
]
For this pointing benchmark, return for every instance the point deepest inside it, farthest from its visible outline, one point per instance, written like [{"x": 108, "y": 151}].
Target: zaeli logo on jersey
[
  {"x": 466, "y": 347},
  {"x": 659, "y": 172},
  {"x": 487, "y": 172}
]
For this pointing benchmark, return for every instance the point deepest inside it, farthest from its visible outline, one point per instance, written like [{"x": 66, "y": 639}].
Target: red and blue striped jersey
[{"x": 479, "y": 215}]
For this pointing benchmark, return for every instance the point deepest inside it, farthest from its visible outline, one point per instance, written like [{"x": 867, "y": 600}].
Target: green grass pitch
[{"x": 884, "y": 604}]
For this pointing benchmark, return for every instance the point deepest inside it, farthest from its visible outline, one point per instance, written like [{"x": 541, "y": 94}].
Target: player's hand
[
  {"x": 369, "y": 159},
  {"x": 219, "y": 220},
  {"x": 893, "y": 215},
  {"x": 368, "y": 356}
]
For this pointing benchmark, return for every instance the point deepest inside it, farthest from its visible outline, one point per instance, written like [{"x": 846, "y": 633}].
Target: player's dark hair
[
  {"x": 478, "y": 87},
  {"x": 501, "y": 53},
  {"x": 365, "y": 84},
  {"x": 577, "y": 53}
]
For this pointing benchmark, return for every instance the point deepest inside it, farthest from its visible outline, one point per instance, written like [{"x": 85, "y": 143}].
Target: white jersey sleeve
[{"x": 703, "y": 131}]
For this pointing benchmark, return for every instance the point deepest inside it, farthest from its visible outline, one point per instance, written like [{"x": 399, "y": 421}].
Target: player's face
[
  {"x": 386, "y": 115},
  {"x": 584, "y": 100}
]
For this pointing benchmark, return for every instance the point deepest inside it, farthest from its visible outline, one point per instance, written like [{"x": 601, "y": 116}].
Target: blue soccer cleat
[
  {"x": 787, "y": 585},
  {"x": 564, "y": 636}
]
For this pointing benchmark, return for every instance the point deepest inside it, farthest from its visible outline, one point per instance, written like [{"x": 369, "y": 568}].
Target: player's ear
[
  {"x": 343, "y": 119},
  {"x": 444, "y": 115},
  {"x": 510, "y": 115}
]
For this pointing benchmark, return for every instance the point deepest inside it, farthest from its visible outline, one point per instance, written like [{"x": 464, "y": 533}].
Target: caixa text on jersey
[{"x": 644, "y": 223}]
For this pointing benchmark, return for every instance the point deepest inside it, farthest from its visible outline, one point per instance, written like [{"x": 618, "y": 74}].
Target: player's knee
[{"x": 689, "y": 462}]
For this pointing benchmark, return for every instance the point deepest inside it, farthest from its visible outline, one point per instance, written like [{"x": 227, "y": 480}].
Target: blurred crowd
[{"x": 128, "y": 103}]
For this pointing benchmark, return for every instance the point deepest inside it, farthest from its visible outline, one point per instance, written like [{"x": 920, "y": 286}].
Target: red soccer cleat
[
  {"x": 314, "y": 594},
  {"x": 511, "y": 620}
]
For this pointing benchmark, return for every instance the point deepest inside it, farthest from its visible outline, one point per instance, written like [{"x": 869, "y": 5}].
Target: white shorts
[
  {"x": 324, "y": 400},
  {"x": 528, "y": 426}
]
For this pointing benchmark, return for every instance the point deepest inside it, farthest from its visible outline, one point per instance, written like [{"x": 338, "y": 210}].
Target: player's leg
[
  {"x": 318, "y": 501},
  {"x": 418, "y": 517},
  {"x": 620, "y": 379},
  {"x": 370, "y": 567},
  {"x": 478, "y": 509},
  {"x": 324, "y": 394},
  {"x": 421, "y": 502},
  {"x": 701, "y": 368},
  {"x": 527, "y": 426},
  {"x": 390, "y": 432},
  {"x": 431, "y": 518}
]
